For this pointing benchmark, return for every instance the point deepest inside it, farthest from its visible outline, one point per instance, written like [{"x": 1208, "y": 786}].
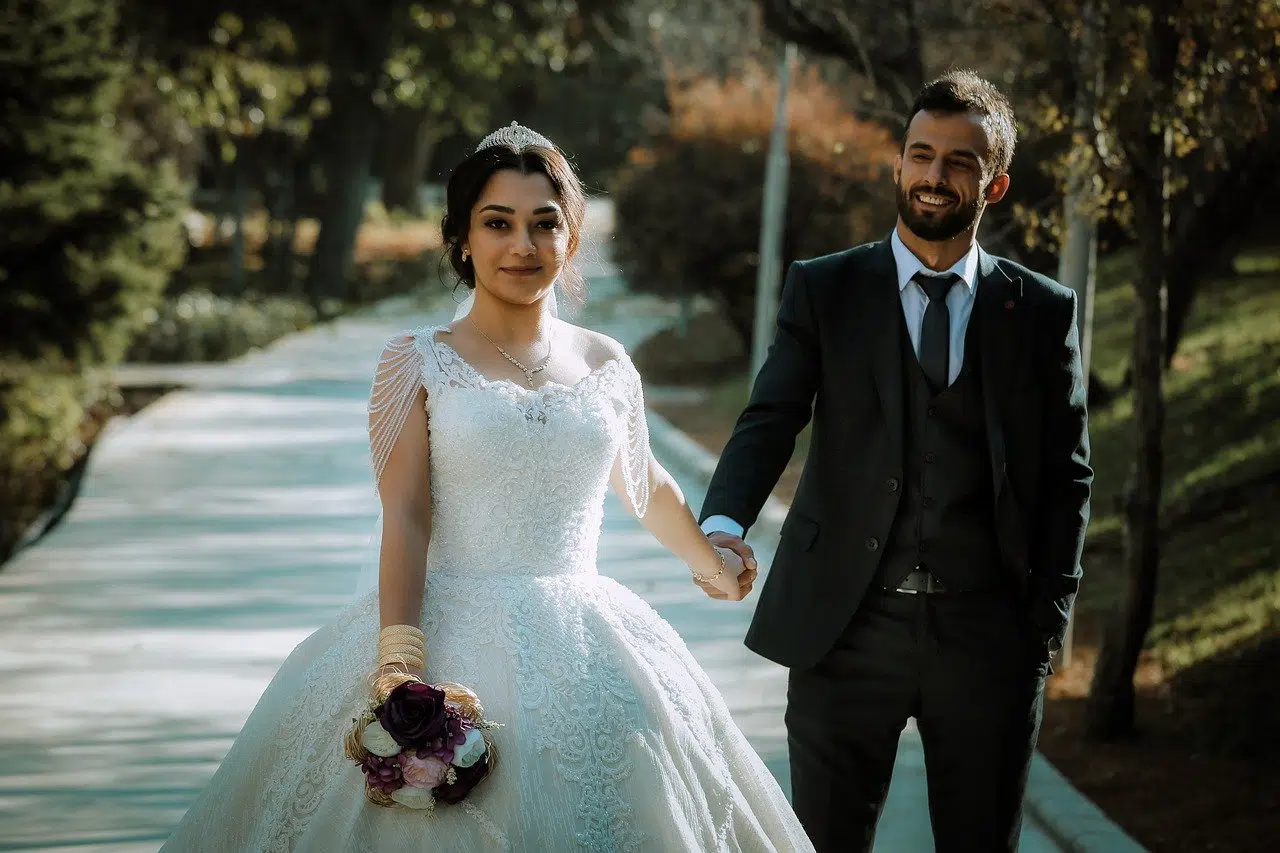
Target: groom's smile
[{"x": 934, "y": 200}]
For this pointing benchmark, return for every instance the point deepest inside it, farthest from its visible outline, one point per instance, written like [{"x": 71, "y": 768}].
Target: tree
[
  {"x": 88, "y": 236},
  {"x": 245, "y": 81},
  {"x": 881, "y": 41},
  {"x": 450, "y": 70},
  {"x": 359, "y": 50},
  {"x": 1207, "y": 233},
  {"x": 701, "y": 176},
  {"x": 1185, "y": 80}
]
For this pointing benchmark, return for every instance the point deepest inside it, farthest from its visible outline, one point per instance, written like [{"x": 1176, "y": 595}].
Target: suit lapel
[
  {"x": 883, "y": 329},
  {"x": 1002, "y": 325}
]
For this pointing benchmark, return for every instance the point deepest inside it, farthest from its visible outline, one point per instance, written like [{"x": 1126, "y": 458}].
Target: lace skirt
[{"x": 613, "y": 737}]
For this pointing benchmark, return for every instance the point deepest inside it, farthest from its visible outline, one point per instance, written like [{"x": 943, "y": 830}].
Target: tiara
[{"x": 516, "y": 136}]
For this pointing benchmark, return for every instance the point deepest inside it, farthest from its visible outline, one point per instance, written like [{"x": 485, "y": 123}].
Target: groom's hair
[{"x": 961, "y": 91}]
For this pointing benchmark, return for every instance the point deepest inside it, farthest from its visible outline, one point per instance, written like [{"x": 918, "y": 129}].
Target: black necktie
[{"x": 935, "y": 332}]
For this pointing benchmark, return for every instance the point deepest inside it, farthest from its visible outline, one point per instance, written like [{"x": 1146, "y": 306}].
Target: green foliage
[
  {"x": 200, "y": 326},
  {"x": 241, "y": 81},
  {"x": 456, "y": 63},
  {"x": 689, "y": 206},
  {"x": 87, "y": 237},
  {"x": 1195, "y": 77}
]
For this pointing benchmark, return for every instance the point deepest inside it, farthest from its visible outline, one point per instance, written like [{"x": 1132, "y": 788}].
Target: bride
[{"x": 493, "y": 442}]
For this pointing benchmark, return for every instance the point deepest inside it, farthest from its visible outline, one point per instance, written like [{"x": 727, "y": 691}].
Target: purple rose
[
  {"x": 414, "y": 714},
  {"x": 468, "y": 778}
]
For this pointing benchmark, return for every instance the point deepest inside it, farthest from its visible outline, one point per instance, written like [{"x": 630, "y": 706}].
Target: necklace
[{"x": 527, "y": 371}]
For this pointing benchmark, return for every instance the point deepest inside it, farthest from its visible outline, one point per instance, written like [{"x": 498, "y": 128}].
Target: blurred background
[{"x": 185, "y": 184}]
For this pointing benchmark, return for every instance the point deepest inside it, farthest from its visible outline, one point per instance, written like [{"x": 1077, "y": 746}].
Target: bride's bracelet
[
  {"x": 723, "y": 565},
  {"x": 401, "y": 645},
  {"x": 402, "y": 631}
]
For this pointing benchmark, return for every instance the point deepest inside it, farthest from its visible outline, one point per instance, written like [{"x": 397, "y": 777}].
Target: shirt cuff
[{"x": 722, "y": 524}]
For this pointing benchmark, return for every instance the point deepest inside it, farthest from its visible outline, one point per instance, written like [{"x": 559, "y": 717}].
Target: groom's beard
[{"x": 940, "y": 226}]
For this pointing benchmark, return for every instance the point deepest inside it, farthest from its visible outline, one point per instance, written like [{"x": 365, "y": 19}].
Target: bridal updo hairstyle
[{"x": 467, "y": 183}]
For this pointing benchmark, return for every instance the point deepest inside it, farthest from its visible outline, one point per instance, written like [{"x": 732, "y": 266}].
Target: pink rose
[{"x": 423, "y": 772}]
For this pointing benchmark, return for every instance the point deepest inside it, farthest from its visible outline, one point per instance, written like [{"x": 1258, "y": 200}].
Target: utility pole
[
  {"x": 769, "y": 272},
  {"x": 1078, "y": 257}
]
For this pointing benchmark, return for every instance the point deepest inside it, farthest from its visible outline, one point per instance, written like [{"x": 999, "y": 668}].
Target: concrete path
[{"x": 214, "y": 531}]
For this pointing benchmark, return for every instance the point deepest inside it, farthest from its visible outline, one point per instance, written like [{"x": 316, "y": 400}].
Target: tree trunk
[
  {"x": 282, "y": 230},
  {"x": 739, "y": 312},
  {"x": 411, "y": 140},
  {"x": 1110, "y": 710},
  {"x": 1209, "y": 233},
  {"x": 239, "y": 209},
  {"x": 358, "y": 59}
]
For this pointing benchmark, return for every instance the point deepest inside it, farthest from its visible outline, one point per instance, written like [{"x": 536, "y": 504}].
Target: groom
[{"x": 931, "y": 555}]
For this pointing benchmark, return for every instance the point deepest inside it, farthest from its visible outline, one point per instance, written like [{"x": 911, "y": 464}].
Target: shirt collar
[{"x": 908, "y": 264}]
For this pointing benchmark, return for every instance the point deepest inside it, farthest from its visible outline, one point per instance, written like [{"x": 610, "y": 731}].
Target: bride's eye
[
  {"x": 496, "y": 223},
  {"x": 549, "y": 224}
]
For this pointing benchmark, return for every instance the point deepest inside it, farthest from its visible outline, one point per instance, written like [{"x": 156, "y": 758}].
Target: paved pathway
[{"x": 215, "y": 530}]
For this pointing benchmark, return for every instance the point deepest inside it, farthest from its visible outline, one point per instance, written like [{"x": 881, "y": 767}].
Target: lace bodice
[{"x": 518, "y": 475}]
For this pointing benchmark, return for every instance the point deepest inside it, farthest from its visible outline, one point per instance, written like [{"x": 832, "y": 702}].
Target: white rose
[
  {"x": 471, "y": 750},
  {"x": 376, "y": 739},
  {"x": 414, "y": 798}
]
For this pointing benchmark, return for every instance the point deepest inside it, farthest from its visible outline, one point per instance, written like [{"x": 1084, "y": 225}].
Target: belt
[{"x": 920, "y": 580}]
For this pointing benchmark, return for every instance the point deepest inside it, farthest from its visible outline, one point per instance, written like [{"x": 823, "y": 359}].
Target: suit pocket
[{"x": 799, "y": 532}]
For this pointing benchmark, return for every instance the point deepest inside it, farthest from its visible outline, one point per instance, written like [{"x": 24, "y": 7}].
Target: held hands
[{"x": 739, "y": 575}]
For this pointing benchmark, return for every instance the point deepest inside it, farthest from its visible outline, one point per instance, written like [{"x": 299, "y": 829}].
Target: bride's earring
[{"x": 466, "y": 254}]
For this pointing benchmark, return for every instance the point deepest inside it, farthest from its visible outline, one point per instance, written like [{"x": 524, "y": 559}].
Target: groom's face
[{"x": 943, "y": 177}]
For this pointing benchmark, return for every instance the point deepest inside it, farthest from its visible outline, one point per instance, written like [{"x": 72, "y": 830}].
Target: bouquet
[{"x": 420, "y": 744}]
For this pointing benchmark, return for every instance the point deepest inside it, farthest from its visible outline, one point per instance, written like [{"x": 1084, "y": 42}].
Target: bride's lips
[{"x": 521, "y": 272}]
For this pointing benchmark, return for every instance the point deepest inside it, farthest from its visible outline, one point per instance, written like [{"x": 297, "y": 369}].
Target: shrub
[
  {"x": 689, "y": 204},
  {"x": 201, "y": 326},
  {"x": 42, "y": 417},
  {"x": 709, "y": 350}
]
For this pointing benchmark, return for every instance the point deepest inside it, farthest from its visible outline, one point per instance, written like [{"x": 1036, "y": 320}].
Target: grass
[
  {"x": 1220, "y": 569},
  {"x": 1220, "y": 573}
]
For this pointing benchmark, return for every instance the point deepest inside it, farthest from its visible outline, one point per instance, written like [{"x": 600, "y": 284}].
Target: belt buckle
[{"x": 907, "y": 591}]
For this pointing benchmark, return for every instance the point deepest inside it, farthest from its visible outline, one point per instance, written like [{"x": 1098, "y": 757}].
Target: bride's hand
[{"x": 734, "y": 583}]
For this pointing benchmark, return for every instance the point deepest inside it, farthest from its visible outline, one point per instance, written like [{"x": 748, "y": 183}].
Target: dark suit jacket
[{"x": 836, "y": 359}]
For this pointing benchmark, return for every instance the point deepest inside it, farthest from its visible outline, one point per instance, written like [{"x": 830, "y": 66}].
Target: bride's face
[{"x": 518, "y": 237}]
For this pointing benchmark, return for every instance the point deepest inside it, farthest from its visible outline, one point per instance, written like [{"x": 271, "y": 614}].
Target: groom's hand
[{"x": 737, "y": 545}]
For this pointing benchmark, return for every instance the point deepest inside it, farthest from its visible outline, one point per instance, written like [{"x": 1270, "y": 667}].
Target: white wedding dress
[{"x": 613, "y": 738}]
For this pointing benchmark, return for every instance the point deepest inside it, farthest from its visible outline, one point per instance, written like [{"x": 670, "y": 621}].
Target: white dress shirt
[{"x": 960, "y": 301}]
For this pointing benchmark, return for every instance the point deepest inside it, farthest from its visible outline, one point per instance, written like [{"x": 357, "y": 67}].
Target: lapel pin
[{"x": 1009, "y": 305}]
